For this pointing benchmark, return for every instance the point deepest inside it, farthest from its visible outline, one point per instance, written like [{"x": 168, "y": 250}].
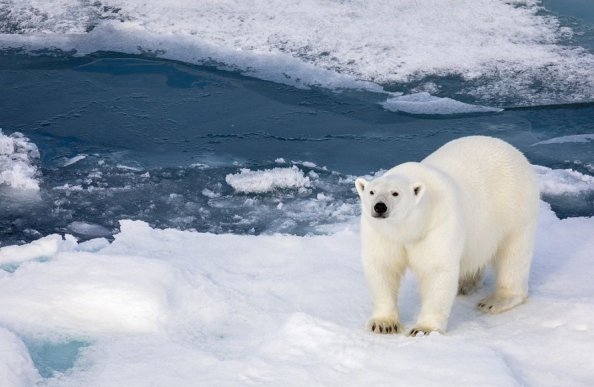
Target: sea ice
[
  {"x": 267, "y": 180},
  {"x": 563, "y": 181},
  {"x": 172, "y": 307},
  {"x": 513, "y": 45},
  {"x": 16, "y": 367},
  {"x": 426, "y": 104},
  {"x": 576, "y": 138},
  {"x": 88, "y": 229},
  {"x": 18, "y": 159}
]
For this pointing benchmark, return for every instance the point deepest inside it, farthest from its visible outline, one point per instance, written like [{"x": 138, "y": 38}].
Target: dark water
[{"x": 157, "y": 133}]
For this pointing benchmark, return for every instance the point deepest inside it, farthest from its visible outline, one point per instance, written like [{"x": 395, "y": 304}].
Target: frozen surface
[
  {"x": 173, "y": 307},
  {"x": 43, "y": 248},
  {"x": 268, "y": 180},
  {"x": 18, "y": 162},
  {"x": 579, "y": 138},
  {"x": 425, "y": 104},
  {"x": 16, "y": 367},
  {"x": 514, "y": 50},
  {"x": 563, "y": 181}
]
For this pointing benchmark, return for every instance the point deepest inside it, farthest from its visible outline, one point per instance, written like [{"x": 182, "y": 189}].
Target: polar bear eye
[
  {"x": 371, "y": 192},
  {"x": 394, "y": 193}
]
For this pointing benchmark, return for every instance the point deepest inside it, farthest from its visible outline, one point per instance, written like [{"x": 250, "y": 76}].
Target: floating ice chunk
[
  {"x": 16, "y": 367},
  {"x": 74, "y": 160},
  {"x": 268, "y": 180},
  {"x": 426, "y": 104},
  {"x": 577, "y": 138},
  {"x": 563, "y": 181},
  {"x": 43, "y": 248},
  {"x": 210, "y": 194},
  {"x": 18, "y": 157},
  {"x": 69, "y": 187},
  {"x": 137, "y": 168},
  {"x": 89, "y": 229}
]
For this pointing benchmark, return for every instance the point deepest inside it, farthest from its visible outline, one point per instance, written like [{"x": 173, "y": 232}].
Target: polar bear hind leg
[
  {"x": 512, "y": 267},
  {"x": 468, "y": 284}
]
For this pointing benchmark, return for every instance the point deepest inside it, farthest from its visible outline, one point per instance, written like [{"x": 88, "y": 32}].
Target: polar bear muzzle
[{"x": 380, "y": 210}]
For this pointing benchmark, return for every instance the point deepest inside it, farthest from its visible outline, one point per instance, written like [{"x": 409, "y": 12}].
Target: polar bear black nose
[{"x": 380, "y": 208}]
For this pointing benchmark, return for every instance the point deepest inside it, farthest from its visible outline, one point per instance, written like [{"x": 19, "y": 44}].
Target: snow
[
  {"x": 83, "y": 294},
  {"x": 18, "y": 159},
  {"x": 424, "y": 103},
  {"x": 328, "y": 43},
  {"x": 267, "y": 180},
  {"x": 43, "y": 248},
  {"x": 16, "y": 366},
  {"x": 169, "y": 307},
  {"x": 563, "y": 181}
]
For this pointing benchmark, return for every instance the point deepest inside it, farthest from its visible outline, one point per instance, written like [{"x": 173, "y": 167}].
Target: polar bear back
[
  {"x": 498, "y": 187},
  {"x": 492, "y": 171}
]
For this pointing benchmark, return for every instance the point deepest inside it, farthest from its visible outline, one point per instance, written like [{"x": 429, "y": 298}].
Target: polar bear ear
[
  {"x": 360, "y": 184},
  {"x": 418, "y": 190}
]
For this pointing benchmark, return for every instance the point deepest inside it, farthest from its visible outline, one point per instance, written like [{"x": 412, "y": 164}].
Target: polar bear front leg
[
  {"x": 438, "y": 291},
  {"x": 383, "y": 272}
]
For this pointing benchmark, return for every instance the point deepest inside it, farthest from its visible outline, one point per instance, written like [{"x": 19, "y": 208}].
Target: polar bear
[{"x": 472, "y": 202}]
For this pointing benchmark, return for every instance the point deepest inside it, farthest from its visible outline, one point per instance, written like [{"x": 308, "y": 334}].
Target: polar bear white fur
[{"x": 472, "y": 202}]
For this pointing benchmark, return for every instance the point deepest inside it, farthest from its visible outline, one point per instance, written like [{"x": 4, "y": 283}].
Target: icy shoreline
[{"x": 185, "y": 308}]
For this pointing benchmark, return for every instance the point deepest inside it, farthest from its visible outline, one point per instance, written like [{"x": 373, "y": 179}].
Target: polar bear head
[{"x": 390, "y": 198}]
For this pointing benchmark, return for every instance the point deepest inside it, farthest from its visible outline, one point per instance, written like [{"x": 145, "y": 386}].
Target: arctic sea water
[{"x": 136, "y": 136}]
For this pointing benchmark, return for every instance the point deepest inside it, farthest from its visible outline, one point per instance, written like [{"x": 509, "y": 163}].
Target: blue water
[
  {"x": 142, "y": 123},
  {"x": 52, "y": 359},
  {"x": 156, "y": 139}
]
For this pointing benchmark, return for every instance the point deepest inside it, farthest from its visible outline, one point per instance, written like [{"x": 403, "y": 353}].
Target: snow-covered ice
[
  {"x": 16, "y": 366},
  {"x": 18, "y": 162},
  {"x": 169, "y": 307},
  {"x": 563, "y": 181},
  {"x": 268, "y": 179},
  {"x": 521, "y": 50}
]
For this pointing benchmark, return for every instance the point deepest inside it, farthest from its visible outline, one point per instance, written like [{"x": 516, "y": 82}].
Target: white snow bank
[
  {"x": 18, "y": 158},
  {"x": 43, "y": 248},
  {"x": 170, "y": 307},
  {"x": 81, "y": 294},
  {"x": 563, "y": 181},
  {"x": 268, "y": 180},
  {"x": 16, "y": 367},
  {"x": 426, "y": 104},
  {"x": 576, "y": 138},
  {"x": 325, "y": 42}
]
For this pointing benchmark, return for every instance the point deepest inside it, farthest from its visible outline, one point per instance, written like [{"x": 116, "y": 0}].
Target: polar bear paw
[
  {"x": 421, "y": 331},
  {"x": 499, "y": 303},
  {"x": 384, "y": 325}
]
